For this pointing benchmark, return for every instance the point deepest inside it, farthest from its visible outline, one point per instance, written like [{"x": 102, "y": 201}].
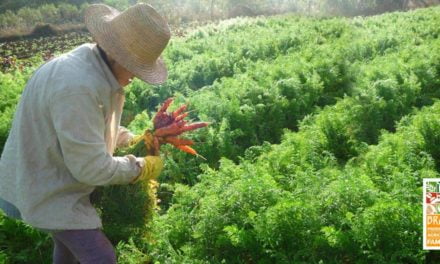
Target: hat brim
[{"x": 96, "y": 20}]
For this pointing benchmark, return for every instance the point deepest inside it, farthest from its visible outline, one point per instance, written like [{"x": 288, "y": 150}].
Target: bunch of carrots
[{"x": 168, "y": 128}]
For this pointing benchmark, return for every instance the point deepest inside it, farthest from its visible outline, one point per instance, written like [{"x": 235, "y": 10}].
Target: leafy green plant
[{"x": 21, "y": 243}]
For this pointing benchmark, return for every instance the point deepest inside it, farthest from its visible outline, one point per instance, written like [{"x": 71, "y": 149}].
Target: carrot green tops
[{"x": 61, "y": 143}]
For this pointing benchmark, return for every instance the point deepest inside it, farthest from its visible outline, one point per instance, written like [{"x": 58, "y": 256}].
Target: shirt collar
[{"x": 114, "y": 84}]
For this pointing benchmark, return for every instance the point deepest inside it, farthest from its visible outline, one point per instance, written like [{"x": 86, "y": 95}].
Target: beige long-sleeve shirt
[{"x": 61, "y": 143}]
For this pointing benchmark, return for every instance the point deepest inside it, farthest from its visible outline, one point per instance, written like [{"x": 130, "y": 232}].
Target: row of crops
[{"x": 323, "y": 130}]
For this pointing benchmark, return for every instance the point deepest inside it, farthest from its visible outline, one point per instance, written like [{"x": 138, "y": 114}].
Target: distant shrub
[
  {"x": 69, "y": 12},
  {"x": 30, "y": 16},
  {"x": 44, "y": 30},
  {"x": 49, "y": 12}
]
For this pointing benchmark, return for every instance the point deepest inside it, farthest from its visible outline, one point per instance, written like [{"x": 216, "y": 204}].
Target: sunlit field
[{"x": 323, "y": 126}]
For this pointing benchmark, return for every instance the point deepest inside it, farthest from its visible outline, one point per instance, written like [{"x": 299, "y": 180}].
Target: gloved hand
[
  {"x": 151, "y": 167},
  {"x": 151, "y": 142}
]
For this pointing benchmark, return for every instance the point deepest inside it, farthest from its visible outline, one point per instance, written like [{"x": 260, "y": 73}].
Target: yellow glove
[
  {"x": 151, "y": 143},
  {"x": 150, "y": 169},
  {"x": 135, "y": 139}
]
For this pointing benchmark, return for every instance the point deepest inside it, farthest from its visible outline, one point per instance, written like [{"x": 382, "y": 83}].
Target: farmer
[{"x": 66, "y": 128}]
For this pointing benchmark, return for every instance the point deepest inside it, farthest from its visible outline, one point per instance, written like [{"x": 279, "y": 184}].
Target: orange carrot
[
  {"x": 187, "y": 149},
  {"x": 181, "y": 117},
  {"x": 175, "y": 141},
  {"x": 194, "y": 126},
  {"x": 166, "y": 104},
  {"x": 172, "y": 129},
  {"x": 162, "y": 120},
  {"x": 179, "y": 111}
]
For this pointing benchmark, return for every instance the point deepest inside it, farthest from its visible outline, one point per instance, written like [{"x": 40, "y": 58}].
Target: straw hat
[{"x": 135, "y": 38}]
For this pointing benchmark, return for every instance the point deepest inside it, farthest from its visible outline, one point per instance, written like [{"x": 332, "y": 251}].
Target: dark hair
[{"x": 103, "y": 56}]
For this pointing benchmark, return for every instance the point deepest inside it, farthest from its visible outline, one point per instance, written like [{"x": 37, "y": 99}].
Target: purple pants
[{"x": 82, "y": 246}]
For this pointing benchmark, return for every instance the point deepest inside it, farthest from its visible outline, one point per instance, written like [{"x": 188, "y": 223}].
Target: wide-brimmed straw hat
[{"x": 135, "y": 38}]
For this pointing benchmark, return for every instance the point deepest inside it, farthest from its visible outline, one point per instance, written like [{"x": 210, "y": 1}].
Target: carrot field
[{"x": 322, "y": 130}]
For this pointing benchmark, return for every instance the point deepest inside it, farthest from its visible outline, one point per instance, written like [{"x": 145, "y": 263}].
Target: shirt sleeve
[{"x": 79, "y": 123}]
